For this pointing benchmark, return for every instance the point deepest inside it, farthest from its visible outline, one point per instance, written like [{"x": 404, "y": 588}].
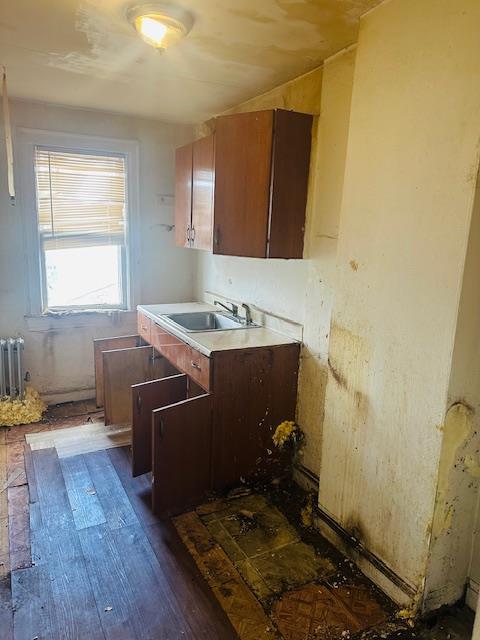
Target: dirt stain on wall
[{"x": 348, "y": 365}]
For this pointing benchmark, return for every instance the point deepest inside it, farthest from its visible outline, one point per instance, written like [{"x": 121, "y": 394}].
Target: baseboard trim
[
  {"x": 305, "y": 477},
  {"x": 61, "y": 397},
  {"x": 371, "y": 565},
  {"x": 471, "y": 598}
]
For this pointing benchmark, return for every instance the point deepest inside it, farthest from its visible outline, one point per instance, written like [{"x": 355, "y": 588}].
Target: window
[{"x": 81, "y": 206}]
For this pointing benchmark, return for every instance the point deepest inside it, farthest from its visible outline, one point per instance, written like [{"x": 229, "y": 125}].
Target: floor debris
[{"x": 306, "y": 588}]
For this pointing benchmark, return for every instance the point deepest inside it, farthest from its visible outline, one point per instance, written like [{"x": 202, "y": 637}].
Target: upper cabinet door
[
  {"x": 243, "y": 151},
  {"x": 289, "y": 184},
  {"x": 202, "y": 192},
  {"x": 250, "y": 182},
  {"x": 183, "y": 195}
]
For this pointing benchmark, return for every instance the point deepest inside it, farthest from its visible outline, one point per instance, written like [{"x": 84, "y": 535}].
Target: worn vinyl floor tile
[
  {"x": 225, "y": 540},
  {"x": 219, "y": 509},
  {"x": 70, "y": 409},
  {"x": 19, "y": 527},
  {"x": 361, "y": 603},
  {"x": 255, "y": 581},
  {"x": 292, "y": 565},
  {"x": 16, "y": 475},
  {"x": 237, "y": 600},
  {"x": 4, "y": 547},
  {"x": 304, "y": 592},
  {"x": 258, "y": 531},
  {"x": 313, "y": 613},
  {"x": 18, "y": 433}
]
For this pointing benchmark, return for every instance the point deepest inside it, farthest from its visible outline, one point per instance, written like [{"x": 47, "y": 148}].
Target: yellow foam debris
[
  {"x": 408, "y": 615},
  {"x": 285, "y": 431},
  {"x": 13, "y": 412}
]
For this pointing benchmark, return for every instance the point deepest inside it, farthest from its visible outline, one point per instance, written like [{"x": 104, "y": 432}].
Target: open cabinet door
[
  {"x": 107, "y": 344},
  {"x": 145, "y": 398},
  {"x": 123, "y": 368},
  {"x": 181, "y": 454}
]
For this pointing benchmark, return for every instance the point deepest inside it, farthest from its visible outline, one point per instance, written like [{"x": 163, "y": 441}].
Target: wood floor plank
[
  {"x": 30, "y": 473},
  {"x": 6, "y": 609},
  {"x": 110, "y": 491},
  {"x": 33, "y": 603},
  {"x": 19, "y": 527},
  {"x": 139, "y": 490},
  {"x": 60, "y": 553},
  {"x": 195, "y": 598},
  {"x": 110, "y": 584},
  {"x": 126, "y": 576},
  {"x": 194, "y": 595},
  {"x": 52, "y": 492},
  {"x": 4, "y": 545},
  {"x": 56, "y": 547},
  {"x": 82, "y": 494}
]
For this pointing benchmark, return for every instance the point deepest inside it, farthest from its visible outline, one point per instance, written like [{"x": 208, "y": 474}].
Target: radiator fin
[{"x": 12, "y": 374}]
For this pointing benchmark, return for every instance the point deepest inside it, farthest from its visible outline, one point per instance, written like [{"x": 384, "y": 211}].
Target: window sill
[{"x": 54, "y": 321}]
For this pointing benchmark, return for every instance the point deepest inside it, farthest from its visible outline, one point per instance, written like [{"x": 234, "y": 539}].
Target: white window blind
[{"x": 81, "y": 199}]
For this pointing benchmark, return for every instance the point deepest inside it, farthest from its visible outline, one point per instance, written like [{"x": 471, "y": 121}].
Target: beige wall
[
  {"x": 410, "y": 177},
  {"x": 300, "y": 290},
  {"x": 457, "y": 486},
  {"x": 323, "y": 217},
  {"x": 393, "y": 173},
  {"x": 59, "y": 352}
]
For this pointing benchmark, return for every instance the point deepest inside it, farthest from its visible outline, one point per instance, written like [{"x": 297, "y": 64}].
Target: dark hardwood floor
[{"x": 103, "y": 566}]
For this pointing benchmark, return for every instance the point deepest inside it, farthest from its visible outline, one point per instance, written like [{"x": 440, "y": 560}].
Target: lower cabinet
[
  {"x": 147, "y": 397},
  {"x": 181, "y": 456},
  {"x": 198, "y": 423}
]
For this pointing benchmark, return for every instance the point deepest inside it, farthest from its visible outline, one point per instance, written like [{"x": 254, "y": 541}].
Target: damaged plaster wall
[
  {"x": 59, "y": 352},
  {"x": 325, "y": 194},
  {"x": 459, "y": 473},
  {"x": 412, "y": 163},
  {"x": 300, "y": 290}
]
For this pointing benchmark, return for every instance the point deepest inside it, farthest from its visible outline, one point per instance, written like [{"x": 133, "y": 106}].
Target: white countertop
[{"x": 207, "y": 342}]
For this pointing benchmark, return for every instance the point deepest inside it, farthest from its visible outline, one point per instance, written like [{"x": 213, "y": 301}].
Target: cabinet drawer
[
  {"x": 181, "y": 355},
  {"x": 144, "y": 327},
  {"x": 198, "y": 367}
]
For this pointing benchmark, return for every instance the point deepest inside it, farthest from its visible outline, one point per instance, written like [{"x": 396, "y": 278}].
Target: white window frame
[{"x": 26, "y": 142}]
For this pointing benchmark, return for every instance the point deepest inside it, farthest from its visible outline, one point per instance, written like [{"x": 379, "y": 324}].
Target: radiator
[{"x": 12, "y": 375}]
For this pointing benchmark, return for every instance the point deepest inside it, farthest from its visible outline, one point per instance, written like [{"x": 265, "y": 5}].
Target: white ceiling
[{"x": 84, "y": 53}]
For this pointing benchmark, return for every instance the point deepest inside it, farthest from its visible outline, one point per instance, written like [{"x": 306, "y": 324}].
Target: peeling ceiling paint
[{"x": 84, "y": 53}]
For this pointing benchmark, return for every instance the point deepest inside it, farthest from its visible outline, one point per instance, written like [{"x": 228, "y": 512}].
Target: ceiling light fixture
[{"x": 160, "y": 24}]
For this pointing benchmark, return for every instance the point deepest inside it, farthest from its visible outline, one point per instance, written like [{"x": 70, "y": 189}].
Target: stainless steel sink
[{"x": 207, "y": 321}]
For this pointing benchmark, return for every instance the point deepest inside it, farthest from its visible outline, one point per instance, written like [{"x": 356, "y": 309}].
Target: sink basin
[{"x": 207, "y": 321}]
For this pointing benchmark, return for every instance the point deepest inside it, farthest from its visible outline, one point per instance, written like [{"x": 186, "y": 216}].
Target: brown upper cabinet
[
  {"x": 249, "y": 185},
  {"x": 194, "y": 183}
]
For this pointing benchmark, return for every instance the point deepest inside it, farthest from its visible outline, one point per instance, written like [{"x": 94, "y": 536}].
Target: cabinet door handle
[
  {"x": 188, "y": 234},
  {"x": 139, "y": 404},
  {"x": 193, "y": 234},
  {"x": 216, "y": 236},
  {"x": 196, "y": 366},
  {"x": 162, "y": 428}
]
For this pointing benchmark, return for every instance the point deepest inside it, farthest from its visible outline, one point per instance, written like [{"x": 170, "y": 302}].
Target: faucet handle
[{"x": 248, "y": 313}]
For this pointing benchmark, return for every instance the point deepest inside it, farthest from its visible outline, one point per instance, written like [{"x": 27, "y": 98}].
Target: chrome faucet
[
  {"x": 248, "y": 314},
  {"x": 233, "y": 309}
]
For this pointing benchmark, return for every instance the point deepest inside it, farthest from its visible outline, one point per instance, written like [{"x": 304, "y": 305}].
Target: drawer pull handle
[{"x": 196, "y": 366}]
